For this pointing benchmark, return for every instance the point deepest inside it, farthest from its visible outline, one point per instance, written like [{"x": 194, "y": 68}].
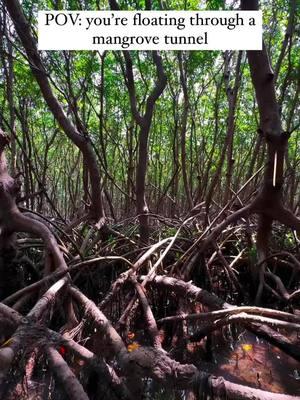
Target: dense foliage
[{"x": 91, "y": 87}]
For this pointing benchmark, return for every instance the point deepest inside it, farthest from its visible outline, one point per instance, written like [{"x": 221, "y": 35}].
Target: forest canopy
[{"x": 149, "y": 212}]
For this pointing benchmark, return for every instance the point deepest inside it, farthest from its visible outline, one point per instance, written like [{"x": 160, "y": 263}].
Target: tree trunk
[
  {"x": 183, "y": 128},
  {"x": 82, "y": 142}
]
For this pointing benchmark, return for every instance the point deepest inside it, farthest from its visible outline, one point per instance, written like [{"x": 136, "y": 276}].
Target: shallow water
[{"x": 256, "y": 363}]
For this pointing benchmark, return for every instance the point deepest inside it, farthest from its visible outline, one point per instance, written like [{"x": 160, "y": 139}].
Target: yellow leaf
[
  {"x": 247, "y": 347},
  {"x": 133, "y": 346}
]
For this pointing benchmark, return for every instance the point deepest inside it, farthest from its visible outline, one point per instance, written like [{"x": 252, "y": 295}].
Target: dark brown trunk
[{"x": 144, "y": 123}]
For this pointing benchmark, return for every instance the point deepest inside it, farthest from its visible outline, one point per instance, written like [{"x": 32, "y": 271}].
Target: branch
[
  {"x": 182, "y": 288},
  {"x": 65, "y": 376},
  {"x": 148, "y": 315}
]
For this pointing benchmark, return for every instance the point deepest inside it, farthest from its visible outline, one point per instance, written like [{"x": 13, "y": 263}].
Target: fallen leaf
[
  {"x": 247, "y": 347},
  {"x": 133, "y": 346}
]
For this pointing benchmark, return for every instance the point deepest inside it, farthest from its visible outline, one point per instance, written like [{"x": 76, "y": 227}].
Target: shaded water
[{"x": 256, "y": 363}]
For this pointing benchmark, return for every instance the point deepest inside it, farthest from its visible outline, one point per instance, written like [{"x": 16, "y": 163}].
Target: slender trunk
[
  {"x": 144, "y": 123},
  {"x": 217, "y": 175},
  {"x": 81, "y": 141},
  {"x": 174, "y": 189},
  {"x": 10, "y": 97},
  {"x": 183, "y": 81},
  {"x": 287, "y": 37},
  {"x": 208, "y": 190},
  {"x": 141, "y": 204},
  {"x": 130, "y": 168},
  {"x": 232, "y": 103}
]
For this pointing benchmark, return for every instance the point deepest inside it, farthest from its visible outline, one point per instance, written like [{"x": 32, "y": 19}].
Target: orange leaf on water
[
  {"x": 247, "y": 347},
  {"x": 133, "y": 346}
]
